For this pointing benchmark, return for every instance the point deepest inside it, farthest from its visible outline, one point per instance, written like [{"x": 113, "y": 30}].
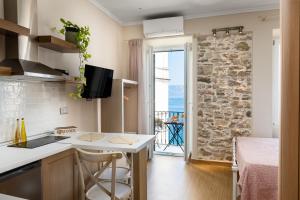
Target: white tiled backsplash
[{"x": 39, "y": 103}]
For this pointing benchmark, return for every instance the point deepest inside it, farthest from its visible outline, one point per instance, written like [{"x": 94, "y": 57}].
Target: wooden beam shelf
[
  {"x": 72, "y": 80},
  {"x": 56, "y": 44},
  {"x": 129, "y": 83},
  {"x": 10, "y": 28},
  {"x": 5, "y": 71}
]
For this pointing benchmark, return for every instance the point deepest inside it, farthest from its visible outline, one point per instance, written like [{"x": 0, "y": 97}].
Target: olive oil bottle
[
  {"x": 17, "y": 132},
  {"x": 23, "y": 131}
]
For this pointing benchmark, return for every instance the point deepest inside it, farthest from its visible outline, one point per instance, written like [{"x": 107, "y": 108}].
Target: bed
[{"x": 255, "y": 168}]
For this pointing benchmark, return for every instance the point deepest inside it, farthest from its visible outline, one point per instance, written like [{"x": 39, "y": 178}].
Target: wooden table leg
[{"x": 140, "y": 175}]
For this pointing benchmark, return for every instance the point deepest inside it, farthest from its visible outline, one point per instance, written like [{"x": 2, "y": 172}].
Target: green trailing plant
[
  {"x": 82, "y": 42},
  {"x": 159, "y": 122}
]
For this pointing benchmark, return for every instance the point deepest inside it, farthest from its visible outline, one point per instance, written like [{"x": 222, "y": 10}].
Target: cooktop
[{"x": 31, "y": 144}]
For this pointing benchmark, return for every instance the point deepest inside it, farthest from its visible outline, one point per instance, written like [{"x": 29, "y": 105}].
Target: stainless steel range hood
[
  {"x": 21, "y": 52},
  {"x": 34, "y": 70}
]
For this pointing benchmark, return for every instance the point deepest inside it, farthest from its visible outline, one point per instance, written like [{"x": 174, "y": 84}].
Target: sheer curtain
[
  {"x": 137, "y": 73},
  {"x": 141, "y": 70},
  {"x": 148, "y": 96},
  {"x": 135, "y": 59}
]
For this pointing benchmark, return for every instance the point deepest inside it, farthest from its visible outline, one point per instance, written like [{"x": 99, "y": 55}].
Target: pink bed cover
[{"x": 258, "y": 160}]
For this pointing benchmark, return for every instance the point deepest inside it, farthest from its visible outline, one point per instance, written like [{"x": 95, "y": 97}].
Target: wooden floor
[{"x": 169, "y": 178}]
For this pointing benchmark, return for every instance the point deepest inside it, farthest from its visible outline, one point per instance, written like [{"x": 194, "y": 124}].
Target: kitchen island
[{"x": 58, "y": 157}]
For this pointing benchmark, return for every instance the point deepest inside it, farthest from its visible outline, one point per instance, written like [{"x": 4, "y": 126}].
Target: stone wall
[{"x": 224, "y": 93}]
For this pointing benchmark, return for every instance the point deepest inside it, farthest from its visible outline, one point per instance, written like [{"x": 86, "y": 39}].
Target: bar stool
[
  {"x": 123, "y": 174},
  {"x": 101, "y": 190}
]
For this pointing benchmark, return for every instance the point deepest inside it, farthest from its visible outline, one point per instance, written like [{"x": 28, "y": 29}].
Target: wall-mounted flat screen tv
[{"x": 98, "y": 82}]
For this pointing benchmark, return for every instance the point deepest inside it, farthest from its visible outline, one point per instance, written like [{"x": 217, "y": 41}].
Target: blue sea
[
  {"x": 176, "y": 98},
  {"x": 176, "y": 104}
]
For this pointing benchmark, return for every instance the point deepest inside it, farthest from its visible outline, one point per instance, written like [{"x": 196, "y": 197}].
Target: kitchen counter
[
  {"x": 7, "y": 197},
  {"x": 11, "y": 158},
  {"x": 103, "y": 144}
]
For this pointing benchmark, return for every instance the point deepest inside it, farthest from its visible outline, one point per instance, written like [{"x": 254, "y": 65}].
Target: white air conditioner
[{"x": 163, "y": 27}]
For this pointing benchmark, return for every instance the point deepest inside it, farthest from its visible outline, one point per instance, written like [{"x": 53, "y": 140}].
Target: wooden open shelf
[
  {"x": 10, "y": 28},
  {"x": 129, "y": 83},
  {"x": 56, "y": 44},
  {"x": 72, "y": 80},
  {"x": 5, "y": 71}
]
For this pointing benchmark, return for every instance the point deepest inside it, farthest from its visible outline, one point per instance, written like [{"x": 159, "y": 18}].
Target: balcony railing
[{"x": 162, "y": 131}]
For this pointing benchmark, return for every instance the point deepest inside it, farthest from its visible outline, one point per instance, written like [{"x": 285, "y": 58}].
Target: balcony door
[{"x": 170, "y": 101}]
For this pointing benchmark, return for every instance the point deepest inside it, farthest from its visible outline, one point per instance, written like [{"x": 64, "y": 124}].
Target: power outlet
[{"x": 63, "y": 110}]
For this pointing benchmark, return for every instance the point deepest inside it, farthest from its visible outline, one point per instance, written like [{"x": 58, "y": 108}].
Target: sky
[{"x": 176, "y": 67}]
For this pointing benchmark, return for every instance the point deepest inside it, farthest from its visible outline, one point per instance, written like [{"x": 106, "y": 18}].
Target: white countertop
[
  {"x": 7, "y": 197},
  {"x": 11, "y": 157},
  {"x": 104, "y": 144}
]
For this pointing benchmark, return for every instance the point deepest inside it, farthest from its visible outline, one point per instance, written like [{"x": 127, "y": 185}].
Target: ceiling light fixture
[{"x": 228, "y": 29}]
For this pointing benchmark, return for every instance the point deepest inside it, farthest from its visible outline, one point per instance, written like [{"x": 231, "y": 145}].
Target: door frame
[
  {"x": 170, "y": 49},
  {"x": 189, "y": 100},
  {"x": 289, "y": 175}
]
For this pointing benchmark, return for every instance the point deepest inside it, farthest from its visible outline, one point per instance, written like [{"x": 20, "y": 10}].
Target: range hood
[
  {"x": 24, "y": 69},
  {"x": 21, "y": 52}
]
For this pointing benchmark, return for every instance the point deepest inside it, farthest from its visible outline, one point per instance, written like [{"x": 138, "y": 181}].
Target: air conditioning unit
[{"x": 163, "y": 27}]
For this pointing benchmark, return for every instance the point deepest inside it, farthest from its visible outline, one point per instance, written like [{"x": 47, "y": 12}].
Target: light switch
[{"x": 64, "y": 110}]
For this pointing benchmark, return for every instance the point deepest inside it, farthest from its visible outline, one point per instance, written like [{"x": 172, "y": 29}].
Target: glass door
[{"x": 170, "y": 101}]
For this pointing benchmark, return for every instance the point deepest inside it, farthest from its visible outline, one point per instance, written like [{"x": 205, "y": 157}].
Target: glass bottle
[
  {"x": 23, "y": 132},
  {"x": 17, "y": 132}
]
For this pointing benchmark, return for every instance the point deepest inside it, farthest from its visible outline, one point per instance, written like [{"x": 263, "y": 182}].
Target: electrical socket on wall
[{"x": 63, "y": 110}]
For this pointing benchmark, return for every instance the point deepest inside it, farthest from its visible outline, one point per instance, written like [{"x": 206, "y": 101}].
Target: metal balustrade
[{"x": 162, "y": 132}]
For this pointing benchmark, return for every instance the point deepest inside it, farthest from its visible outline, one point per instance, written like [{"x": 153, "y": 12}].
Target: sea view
[
  {"x": 173, "y": 100},
  {"x": 176, "y": 98}
]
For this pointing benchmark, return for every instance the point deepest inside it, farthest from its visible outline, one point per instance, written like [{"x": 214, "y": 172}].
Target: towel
[
  {"x": 123, "y": 140},
  {"x": 91, "y": 137}
]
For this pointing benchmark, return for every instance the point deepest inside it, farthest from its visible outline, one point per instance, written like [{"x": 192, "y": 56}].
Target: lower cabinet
[{"x": 58, "y": 177}]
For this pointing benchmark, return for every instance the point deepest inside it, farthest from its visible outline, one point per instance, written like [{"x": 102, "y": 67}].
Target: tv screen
[{"x": 98, "y": 82}]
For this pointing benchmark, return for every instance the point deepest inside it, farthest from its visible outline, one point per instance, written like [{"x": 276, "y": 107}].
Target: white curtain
[
  {"x": 145, "y": 92},
  {"x": 146, "y": 96},
  {"x": 141, "y": 69},
  {"x": 135, "y": 58},
  {"x": 138, "y": 72}
]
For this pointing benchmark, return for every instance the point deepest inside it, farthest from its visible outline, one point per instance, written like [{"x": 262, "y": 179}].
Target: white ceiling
[{"x": 134, "y": 11}]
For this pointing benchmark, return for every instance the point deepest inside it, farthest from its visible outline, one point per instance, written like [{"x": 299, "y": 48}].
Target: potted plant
[
  {"x": 80, "y": 36},
  {"x": 70, "y": 31}
]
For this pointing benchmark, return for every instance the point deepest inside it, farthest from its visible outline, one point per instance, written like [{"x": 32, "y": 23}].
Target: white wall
[
  {"x": 106, "y": 37},
  {"x": 40, "y": 102},
  {"x": 106, "y": 34},
  {"x": 276, "y": 83},
  {"x": 261, "y": 24},
  {"x": 161, "y": 81}
]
